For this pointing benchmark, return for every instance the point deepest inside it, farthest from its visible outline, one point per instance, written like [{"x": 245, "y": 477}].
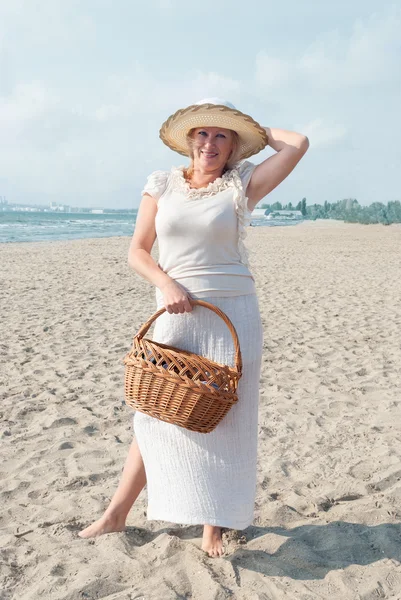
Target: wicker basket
[{"x": 177, "y": 386}]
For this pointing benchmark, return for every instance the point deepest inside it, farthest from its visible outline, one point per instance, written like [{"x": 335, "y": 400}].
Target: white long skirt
[{"x": 207, "y": 478}]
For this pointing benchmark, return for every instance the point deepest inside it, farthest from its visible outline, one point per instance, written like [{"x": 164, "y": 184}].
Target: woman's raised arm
[{"x": 290, "y": 148}]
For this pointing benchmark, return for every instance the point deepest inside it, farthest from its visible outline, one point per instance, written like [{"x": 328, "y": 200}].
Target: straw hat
[{"x": 213, "y": 112}]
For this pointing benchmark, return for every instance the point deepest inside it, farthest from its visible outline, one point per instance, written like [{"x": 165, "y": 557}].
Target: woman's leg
[{"x": 133, "y": 480}]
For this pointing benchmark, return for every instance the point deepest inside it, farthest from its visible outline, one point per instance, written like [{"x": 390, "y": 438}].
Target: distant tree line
[{"x": 348, "y": 210}]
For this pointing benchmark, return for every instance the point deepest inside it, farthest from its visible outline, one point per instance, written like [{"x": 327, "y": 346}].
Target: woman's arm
[
  {"x": 290, "y": 148},
  {"x": 280, "y": 138},
  {"x": 139, "y": 257},
  {"x": 175, "y": 296}
]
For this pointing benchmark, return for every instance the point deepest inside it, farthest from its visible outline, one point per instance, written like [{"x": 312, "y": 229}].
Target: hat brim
[{"x": 252, "y": 136}]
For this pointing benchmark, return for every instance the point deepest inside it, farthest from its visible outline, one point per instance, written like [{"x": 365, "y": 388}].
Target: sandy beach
[{"x": 328, "y": 510}]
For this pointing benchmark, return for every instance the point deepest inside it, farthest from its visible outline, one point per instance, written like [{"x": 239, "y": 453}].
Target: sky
[{"x": 86, "y": 84}]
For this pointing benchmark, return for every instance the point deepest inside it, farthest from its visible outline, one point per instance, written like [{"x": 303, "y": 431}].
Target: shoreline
[{"x": 318, "y": 223}]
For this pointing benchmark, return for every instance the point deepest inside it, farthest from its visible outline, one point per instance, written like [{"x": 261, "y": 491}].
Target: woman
[{"x": 199, "y": 216}]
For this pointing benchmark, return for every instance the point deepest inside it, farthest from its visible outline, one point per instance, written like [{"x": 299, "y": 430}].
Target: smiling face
[{"x": 211, "y": 148}]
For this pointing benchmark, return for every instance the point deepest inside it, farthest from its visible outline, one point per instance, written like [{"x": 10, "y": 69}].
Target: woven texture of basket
[{"x": 177, "y": 386}]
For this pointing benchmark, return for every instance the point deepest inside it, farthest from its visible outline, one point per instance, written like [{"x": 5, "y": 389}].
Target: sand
[{"x": 328, "y": 511}]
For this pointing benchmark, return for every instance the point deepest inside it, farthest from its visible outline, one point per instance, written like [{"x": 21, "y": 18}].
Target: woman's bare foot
[
  {"x": 106, "y": 524},
  {"x": 211, "y": 541},
  {"x": 132, "y": 482}
]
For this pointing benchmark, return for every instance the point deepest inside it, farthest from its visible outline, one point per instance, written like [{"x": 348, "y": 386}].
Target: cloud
[
  {"x": 321, "y": 134},
  {"x": 27, "y": 101},
  {"x": 368, "y": 57}
]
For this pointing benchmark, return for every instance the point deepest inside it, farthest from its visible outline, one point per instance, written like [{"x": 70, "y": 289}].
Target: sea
[{"x": 19, "y": 226}]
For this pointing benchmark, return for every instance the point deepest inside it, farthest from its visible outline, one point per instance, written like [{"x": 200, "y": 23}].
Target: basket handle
[{"x": 238, "y": 359}]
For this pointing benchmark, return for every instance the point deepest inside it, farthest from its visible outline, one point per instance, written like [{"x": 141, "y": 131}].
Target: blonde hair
[{"x": 231, "y": 161}]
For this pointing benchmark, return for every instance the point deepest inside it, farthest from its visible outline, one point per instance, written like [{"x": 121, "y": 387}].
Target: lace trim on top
[
  {"x": 181, "y": 184},
  {"x": 230, "y": 178},
  {"x": 244, "y": 215}
]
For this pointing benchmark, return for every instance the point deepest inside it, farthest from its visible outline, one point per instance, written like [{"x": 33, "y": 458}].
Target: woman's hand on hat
[{"x": 176, "y": 298}]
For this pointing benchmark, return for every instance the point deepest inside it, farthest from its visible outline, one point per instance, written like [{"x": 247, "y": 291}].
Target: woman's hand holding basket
[{"x": 176, "y": 298}]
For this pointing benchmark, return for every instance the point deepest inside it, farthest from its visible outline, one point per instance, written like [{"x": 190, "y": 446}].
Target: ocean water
[{"x": 39, "y": 226}]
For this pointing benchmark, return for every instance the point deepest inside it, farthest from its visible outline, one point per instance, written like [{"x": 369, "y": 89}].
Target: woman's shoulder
[
  {"x": 156, "y": 183},
  {"x": 245, "y": 170}
]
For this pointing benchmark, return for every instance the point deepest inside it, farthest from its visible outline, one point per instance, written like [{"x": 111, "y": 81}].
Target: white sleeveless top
[{"x": 201, "y": 231}]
